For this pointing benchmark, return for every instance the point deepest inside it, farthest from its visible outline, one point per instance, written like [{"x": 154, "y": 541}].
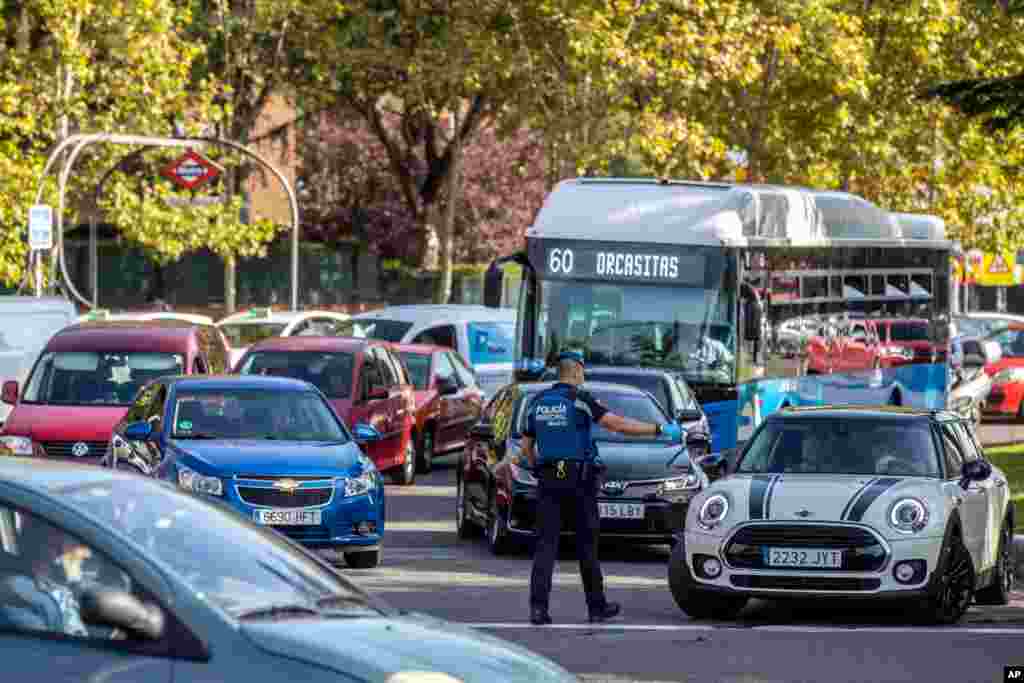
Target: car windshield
[
  {"x": 491, "y": 342},
  {"x": 330, "y": 372},
  {"x": 418, "y": 365},
  {"x": 1010, "y": 341},
  {"x": 262, "y": 570},
  {"x": 652, "y": 384},
  {"x": 247, "y": 334},
  {"x": 374, "y": 328},
  {"x": 254, "y": 414},
  {"x": 838, "y": 446},
  {"x": 632, "y": 405},
  {"x": 909, "y": 331},
  {"x": 113, "y": 378}
]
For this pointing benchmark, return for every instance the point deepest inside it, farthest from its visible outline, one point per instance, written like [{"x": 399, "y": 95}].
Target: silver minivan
[{"x": 26, "y": 324}]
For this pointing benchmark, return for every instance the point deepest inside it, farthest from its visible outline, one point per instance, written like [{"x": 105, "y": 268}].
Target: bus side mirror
[
  {"x": 751, "y": 320},
  {"x": 493, "y": 281}
]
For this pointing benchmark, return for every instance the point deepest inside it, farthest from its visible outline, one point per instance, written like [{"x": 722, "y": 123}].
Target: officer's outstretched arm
[{"x": 627, "y": 426}]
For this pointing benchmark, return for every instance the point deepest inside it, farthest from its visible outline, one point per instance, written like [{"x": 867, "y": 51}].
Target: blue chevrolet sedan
[
  {"x": 272, "y": 448},
  {"x": 109, "y": 576}
]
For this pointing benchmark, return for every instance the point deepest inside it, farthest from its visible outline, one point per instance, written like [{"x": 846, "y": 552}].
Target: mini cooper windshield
[
  {"x": 833, "y": 446},
  {"x": 255, "y": 414}
]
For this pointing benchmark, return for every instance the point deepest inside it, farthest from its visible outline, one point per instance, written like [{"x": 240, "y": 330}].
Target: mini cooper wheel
[
  {"x": 497, "y": 531},
  {"x": 951, "y": 596},
  {"x": 697, "y": 603},
  {"x": 425, "y": 458},
  {"x": 465, "y": 527},
  {"x": 1005, "y": 574},
  {"x": 364, "y": 560},
  {"x": 405, "y": 474}
]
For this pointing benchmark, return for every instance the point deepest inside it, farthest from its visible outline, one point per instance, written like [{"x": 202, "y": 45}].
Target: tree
[
  {"x": 66, "y": 67},
  {"x": 350, "y": 191}
]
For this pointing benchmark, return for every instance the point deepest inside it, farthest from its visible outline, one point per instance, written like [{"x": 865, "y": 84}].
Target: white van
[
  {"x": 26, "y": 324},
  {"x": 483, "y": 336}
]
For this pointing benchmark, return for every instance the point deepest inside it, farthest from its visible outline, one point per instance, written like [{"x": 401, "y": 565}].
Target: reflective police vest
[{"x": 561, "y": 426}]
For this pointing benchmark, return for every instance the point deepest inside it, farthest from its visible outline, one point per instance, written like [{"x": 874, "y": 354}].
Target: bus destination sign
[{"x": 618, "y": 262}]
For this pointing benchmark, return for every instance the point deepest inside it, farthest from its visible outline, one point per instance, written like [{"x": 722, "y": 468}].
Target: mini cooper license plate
[
  {"x": 621, "y": 510},
  {"x": 803, "y": 557},
  {"x": 296, "y": 517}
]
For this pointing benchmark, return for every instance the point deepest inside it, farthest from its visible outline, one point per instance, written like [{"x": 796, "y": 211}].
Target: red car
[
  {"x": 364, "y": 381},
  {"x": 870, "y": 343},
  {"x": 86, "y": 378},
  {"x": 1007, "y": 394},
  {"x": 448, "y": 399}
]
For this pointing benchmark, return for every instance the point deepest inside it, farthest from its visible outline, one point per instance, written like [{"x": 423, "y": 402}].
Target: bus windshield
[{"x": 690, "y": 330}]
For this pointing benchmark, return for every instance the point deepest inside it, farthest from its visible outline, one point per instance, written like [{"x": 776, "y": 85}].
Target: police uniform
[{"x": 559, "y": 421}]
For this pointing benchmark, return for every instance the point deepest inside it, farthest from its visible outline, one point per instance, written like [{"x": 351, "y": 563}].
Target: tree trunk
[
  {"x": 443, "y": 288},
  {"x": 229, "y": 284}
]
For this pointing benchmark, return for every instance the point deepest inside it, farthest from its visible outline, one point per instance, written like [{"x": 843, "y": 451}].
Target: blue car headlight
[
  {"x": 357, "y": 486},
  {"x": 190, "y": 480}
]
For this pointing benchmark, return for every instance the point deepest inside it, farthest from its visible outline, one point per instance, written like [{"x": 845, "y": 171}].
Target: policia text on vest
[{"x": 560, "y": 448}]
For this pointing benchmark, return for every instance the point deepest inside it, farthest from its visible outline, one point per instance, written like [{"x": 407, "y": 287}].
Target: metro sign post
[{"x": 191, "y": 170}]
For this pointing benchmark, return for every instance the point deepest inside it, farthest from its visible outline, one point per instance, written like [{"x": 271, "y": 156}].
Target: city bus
[{"x": 761, "y": 297}]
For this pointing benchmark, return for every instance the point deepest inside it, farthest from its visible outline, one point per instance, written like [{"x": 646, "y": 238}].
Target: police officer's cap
[{"x": 573, "y": 355}]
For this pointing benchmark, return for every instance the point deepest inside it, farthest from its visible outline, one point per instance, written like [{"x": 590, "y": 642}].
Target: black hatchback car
[{"x": 644, "y": 495}]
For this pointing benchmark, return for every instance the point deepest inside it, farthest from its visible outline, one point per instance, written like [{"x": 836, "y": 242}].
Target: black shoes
[
  {"x": 539, "y": 616},
  {"x": 609, "y": 611}
]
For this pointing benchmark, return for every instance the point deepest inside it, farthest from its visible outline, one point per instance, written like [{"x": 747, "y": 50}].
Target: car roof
[
  {"x": 861, "y": 412},
  {"x": 166, "y": 336},
  {"x": 535, "y": 387},
  {"x": 421, "y": 349},
  {"x": 424, "y": 313},
  {"x": 45, "y": 475},
  {"x": 311, "y": 343},
  {"x": 615, "y": 370},
  {"x": 257, "y": 316},
  {"x": 228, "y": 382}
]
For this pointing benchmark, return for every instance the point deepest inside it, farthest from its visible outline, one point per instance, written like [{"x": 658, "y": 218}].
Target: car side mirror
[
  {"x": 138, "y": 431},
  {"x": 688, "y": 415},
  {"x": 10, "y": 393},
  {"x": 483, "y": 431},
  {"x": 446, "y": 387},
  {"x": 976, "y": 470},
  {"x": 365, "y": 433},
  {"x": 120, "y": 609}
]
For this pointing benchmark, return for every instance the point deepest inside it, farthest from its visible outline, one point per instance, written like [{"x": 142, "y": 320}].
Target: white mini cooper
[{"x": 851, "y": 502}]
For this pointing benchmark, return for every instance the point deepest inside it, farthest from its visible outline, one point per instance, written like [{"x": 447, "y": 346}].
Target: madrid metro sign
[{"x": 191, "y": 170}]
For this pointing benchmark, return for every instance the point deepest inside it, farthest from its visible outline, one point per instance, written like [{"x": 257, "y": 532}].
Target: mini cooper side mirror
[{"x": 976, "y": 470}]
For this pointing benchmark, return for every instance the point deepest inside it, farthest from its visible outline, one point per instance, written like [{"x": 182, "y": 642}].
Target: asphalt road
[
  {"x": 426, "y": 568},
  {"x": 1001, "y": 430}
]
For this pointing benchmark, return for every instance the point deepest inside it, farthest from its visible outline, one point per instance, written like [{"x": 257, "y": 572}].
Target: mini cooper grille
[
  {"x": 65, "y": 449},
  {"x": 806, "y": 583},
  {"x": 862, "y": 551},
  {"x": 282, "y": 499}
]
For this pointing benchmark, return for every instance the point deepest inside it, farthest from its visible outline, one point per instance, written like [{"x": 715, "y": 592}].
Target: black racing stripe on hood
[
  {"x": 854, "y": 497},
  {"x": 768, "y": 496},
  {"x": 758, "y": 491},
  {"x": 877, "y": 488}
]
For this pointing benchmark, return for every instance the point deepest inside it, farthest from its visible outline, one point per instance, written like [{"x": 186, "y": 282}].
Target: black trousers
[{"x": 554, "y": 500}]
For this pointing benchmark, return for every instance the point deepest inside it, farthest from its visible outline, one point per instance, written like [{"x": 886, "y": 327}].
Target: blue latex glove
[{"x": 672, "y": 433}]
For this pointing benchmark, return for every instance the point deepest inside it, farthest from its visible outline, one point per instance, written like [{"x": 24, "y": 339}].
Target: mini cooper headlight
[
  {"x": 356, "y": 486},
  {"x": 190, "y": 480},
  {"x": 908, "y": 515},
  {"x": 713, "y": 511}
]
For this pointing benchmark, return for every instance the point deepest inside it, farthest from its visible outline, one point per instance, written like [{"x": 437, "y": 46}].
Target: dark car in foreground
[
  {"x": 269, "y": 447},
  {"x": 161, "y": 586},
  {"x": 645, "y": 490}
]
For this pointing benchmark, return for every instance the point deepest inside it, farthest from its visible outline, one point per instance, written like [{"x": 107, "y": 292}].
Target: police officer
[{"x": 558, "y": 445}]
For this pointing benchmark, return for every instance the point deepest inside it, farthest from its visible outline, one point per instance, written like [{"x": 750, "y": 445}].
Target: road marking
[
  {"x": 422, "y": 491},
  {"x": 392, "y": 578},
  {"x": 423, "y": 525},
  {"x": 782, "y": 629}
]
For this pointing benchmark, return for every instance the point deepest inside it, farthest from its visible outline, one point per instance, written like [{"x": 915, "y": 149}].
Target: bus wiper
[{"x": 282, "y": 611}]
